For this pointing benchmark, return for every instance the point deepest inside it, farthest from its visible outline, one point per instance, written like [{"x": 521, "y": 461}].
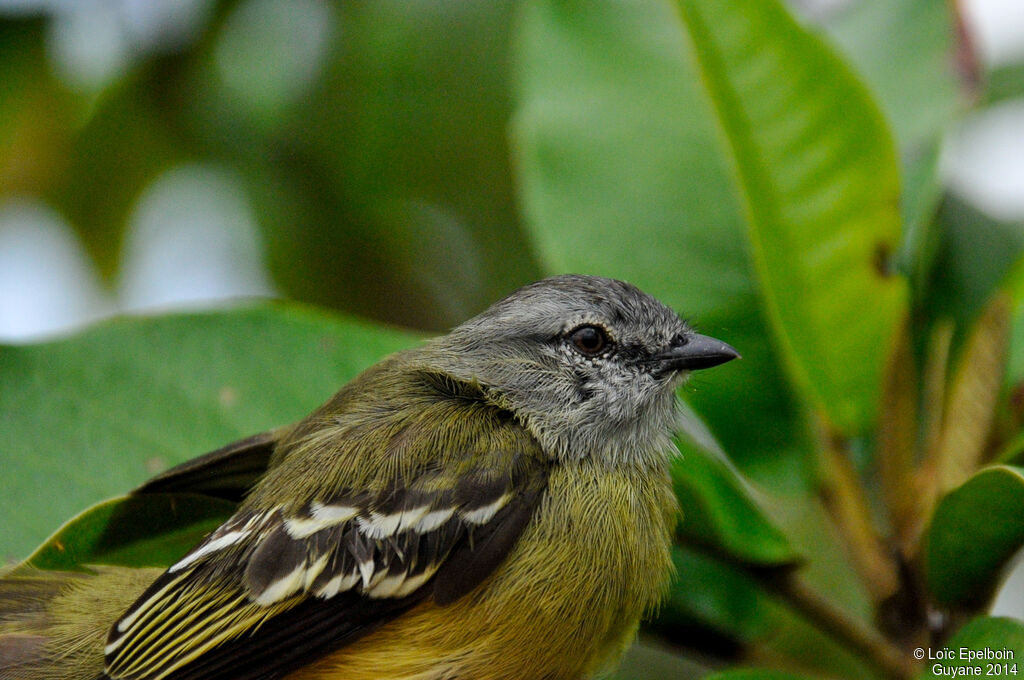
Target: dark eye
[{"x": 590, "y": 340}]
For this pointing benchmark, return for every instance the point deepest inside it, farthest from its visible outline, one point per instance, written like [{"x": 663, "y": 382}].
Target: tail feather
[{"x": 53, "y": 624}]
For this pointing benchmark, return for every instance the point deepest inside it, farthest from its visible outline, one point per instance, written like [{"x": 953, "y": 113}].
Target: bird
[{"x": 493, "y": 504}]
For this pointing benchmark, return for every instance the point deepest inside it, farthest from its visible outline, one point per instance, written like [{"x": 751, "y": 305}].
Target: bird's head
[{"x": 589, "y": 364}]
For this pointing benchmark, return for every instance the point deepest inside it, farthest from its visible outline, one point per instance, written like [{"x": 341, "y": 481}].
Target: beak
[{"x": 697, "y": 352}]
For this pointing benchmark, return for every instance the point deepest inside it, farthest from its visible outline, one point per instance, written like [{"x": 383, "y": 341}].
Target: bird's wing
[
  {"x": 278, "y": 586},
  {"x": 228, "y": 473}
]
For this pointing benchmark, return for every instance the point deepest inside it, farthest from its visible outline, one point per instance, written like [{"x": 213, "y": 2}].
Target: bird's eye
[{"x": 590, "y": 340}]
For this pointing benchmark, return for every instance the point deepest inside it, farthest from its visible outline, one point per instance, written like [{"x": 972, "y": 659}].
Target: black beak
[{"x": 694, "y": 352}]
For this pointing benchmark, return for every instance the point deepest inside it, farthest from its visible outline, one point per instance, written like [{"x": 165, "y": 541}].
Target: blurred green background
[{"x": 806, "y": 182}]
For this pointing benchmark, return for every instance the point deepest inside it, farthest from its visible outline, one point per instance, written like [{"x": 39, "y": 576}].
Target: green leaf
[
  {"x": 720, "y": 509},
  {"x": 995, "y": 634},
  {"x": 754, "y": 674},
  {"x": 614, "y": 176},
  {"x": 976, "y": 256},
  {"x": 1012, "y": 452},
  {"x": 971, "y": 398},
  {"x": 1014, "y": 377},
  {"x": 648, "y": 662},
  {"x": 1004, "y": 83},
  {"x": 906, "y": 51},
  {"x": 923, "y": 191},
  {"x": 717, "y": 606},
  {"x": 92, "y": 416},
  {"x": 718, "y": 596},
  {"x": 817, "y": 172},
  {"x": 975, "y": 530},
  {"x": 133, "y": 531}
]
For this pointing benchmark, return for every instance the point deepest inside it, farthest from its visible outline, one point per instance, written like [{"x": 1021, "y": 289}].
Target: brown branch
[
  {"x": 895, "y": 451},
  {"x": 864, "y": 640},
  {"x": 842, "y": 493}
]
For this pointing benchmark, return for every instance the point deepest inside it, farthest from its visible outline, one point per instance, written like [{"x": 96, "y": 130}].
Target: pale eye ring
[{"x": 590, "y": 340}]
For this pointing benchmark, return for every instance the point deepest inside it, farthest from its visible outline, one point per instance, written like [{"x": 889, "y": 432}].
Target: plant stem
[
  {"x": 972, "y": 397},
  {"x": 896, "y": 443},
  {"x": 866, "y": 641},
  {"x": 843, "y": 496},
  {"x": 933, "y": 406}
]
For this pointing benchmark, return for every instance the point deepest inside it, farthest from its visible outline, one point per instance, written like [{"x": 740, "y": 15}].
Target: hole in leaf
[{"x": 883, "y": 259}]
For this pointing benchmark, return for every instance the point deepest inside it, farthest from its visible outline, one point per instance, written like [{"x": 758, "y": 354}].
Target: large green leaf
[
  {"x": 906, "y": 51},
  {"x": 975, "y": 530},
  {"x": 722, "y": 510},
  {"x": 618, "y": 161},
  {"x": 965, "y": 652},
  {"x": 817, "y": 171},
  {"x": 153, "y": 530},
  {"x": 92, "y": 416}
]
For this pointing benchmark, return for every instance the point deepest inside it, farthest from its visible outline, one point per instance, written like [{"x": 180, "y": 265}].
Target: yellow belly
[{"x": 566, "y": 602}]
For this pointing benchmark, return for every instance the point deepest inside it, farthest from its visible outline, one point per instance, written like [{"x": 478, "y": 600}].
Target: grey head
[{"x": 589, "y": 364}]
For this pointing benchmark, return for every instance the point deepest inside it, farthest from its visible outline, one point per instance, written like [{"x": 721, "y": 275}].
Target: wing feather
[
  {"x": 275, "y": 587},
  {"x": 225, "y": 473}
]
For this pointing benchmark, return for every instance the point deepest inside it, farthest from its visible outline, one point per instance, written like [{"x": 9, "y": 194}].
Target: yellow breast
[{"x": 567, "y": 600}]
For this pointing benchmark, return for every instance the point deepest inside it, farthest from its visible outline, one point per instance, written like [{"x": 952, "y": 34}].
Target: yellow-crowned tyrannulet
[{"x": 494, "y": 504}]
